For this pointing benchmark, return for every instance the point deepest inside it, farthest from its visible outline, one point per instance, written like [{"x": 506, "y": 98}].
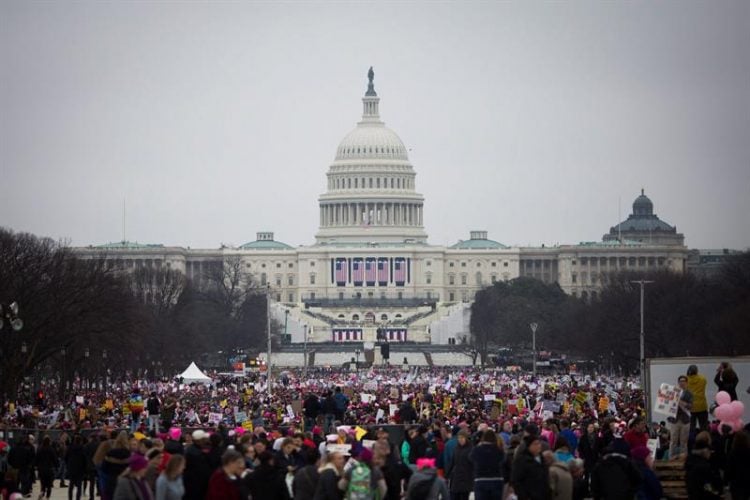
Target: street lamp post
[
  {"x": 86, "y": 354},
  {"x": 269, "y": 376},
  {"x": 63, "y": 381},
  {"x": 533, "y": 327},
  {"x": 304, "y": 369},
  {"x": 643, "y": 284},
  {"x": 104, "y": 378},
  {"x": 356, "y": 353}
]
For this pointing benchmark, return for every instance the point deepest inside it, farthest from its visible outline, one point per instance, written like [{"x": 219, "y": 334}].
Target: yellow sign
[
  {"x": 447, "y": 403},
  {"x": 247, "y": 425},
  {"x": 359, "y": 433}
]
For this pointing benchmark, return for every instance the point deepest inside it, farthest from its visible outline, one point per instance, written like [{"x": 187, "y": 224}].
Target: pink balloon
[
  {"x": 738, "y": 408},
  {"x": 723, "y": 413},
  {"x": 723, "y": 397}
]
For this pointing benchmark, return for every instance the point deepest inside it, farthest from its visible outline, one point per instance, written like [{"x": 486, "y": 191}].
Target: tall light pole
[
  {"x": 304, "y": 369},
  {"x": 643, "y": 284},
  {"x": 269, "y": 377},
  {"x": 533, "y": 327}
]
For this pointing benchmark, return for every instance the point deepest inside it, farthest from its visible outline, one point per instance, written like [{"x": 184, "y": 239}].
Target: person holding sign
[{"x": 680, "y": 430}]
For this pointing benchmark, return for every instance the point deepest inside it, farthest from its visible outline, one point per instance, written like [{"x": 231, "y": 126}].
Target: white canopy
[{"x": 194, "y": 374}]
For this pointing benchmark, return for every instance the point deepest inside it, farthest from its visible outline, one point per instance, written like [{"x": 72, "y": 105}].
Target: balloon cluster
[{"x": 729, "y": 412}]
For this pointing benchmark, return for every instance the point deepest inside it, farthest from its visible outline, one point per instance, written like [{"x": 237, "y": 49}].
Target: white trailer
[{"x": 666, "y": 370}]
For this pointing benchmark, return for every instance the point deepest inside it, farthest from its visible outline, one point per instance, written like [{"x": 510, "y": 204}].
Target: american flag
[
  {"x": 399, "y": 270},
  {"x": 382, "y": 271},
  {"x": 341, "y": 271},
  {"x": 370, "y": 271},
  {"x": 358, "y": 271}
]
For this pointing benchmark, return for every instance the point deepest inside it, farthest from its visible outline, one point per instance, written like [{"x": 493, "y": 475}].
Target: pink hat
[
  {"x": 175, "y": 433},
  {"x": 137, "y": 462}
]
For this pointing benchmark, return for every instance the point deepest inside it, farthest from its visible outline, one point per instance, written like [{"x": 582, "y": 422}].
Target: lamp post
[
  {"x": 269, "y": 376},
  {"x": 104, "y": 362},
  {"x": 533, "y": 327},
  {"x": 643, "y": 284},
  {"x": 304, "y": 369},
  {"x": 286, "y": 323},
  {"x": 356, "y": 353},
  {"x": 63, "y": 381}
]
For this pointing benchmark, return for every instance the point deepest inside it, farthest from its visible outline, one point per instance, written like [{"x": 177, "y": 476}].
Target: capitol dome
[{"x": 371, "y": 140}]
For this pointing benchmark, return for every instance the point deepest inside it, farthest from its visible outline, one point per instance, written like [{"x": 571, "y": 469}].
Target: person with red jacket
[
  {"x": 225, "y": 483},
  {"x": 636, "y": 436}
]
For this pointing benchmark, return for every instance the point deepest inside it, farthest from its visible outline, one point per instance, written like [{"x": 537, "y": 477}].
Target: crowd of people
[{"x": 381, "y": 433}]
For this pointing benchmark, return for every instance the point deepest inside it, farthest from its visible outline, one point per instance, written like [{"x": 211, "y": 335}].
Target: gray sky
[{"x": 528, "y": 119}]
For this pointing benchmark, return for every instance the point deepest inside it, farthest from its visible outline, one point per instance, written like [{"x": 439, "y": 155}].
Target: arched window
[
  {"x": 355, "y": 317},
  {"x": 383, "y": 317}
]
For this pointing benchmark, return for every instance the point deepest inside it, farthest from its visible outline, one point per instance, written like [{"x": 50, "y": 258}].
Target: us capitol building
[{"x": 371, "y": 276}]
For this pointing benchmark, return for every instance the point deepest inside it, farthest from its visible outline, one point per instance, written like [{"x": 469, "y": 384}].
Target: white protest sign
[{"x": 392, "y": 409}]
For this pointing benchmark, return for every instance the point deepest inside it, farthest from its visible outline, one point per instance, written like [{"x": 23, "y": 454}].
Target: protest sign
[{"x": 667, "y": 400}]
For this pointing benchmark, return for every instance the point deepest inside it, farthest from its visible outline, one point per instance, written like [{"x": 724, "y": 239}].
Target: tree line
[
  {"x": 85, "y": 318},
  {"x": 684, "y": 314}
]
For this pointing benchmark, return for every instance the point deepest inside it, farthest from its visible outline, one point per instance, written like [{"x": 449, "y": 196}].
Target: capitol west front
[{"x": 371, "y": 268}]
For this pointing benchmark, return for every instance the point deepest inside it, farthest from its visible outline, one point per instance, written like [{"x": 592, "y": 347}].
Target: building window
[
  {"x": 312, "y": 263},
  {"x": 383, "y": 317},
  {"x": 291, "y": 265},
  {"x": 494, "y": 279},
  {"x": 428, "y": 279},
  {"x": 263, "y": 279},
  {"x": 341, "y": 295},
  {"x": 494, "y": 264},
  {"x": 370, "y": 295},
  {"x": 451, "y": 279},
  {"x": 278, "y": 297},
  {"x": 291, "y": 297},
  {"x": 479, "y": 279},
  {"x": 463, "y": 264},
  {"x": 429, "y": 263},
  {"x": 278, "y": 265},
  {"x": 400, "y": 295},
  {"x": 312, "y": 278},
  {"x": 451, "y": 296},
  {"x": 312, "y": 295},
  {"x": 263, "y": 265},
  {"x": 278, "y": 280},
  {"x": 574, "y": 278},
  {"x": 463, "y": 279},
  {"x": 291, "y": 280},
  {"x": 429, "y": 294},
  {"x": 505, "y": 264},
  {"x": 450, "y": 264},
  {"x": 573, "y": 262},
  {"x": 479, "y": 264},
  {"x": 451, "y": 341}
]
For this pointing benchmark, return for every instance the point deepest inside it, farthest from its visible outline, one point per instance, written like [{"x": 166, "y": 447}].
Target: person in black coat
[
  {"x": 530, "y": 478},
  {"x": 702, "y": 479},
  {"x": 89, "y": 450},
  {"x": 726, "y": 379},
  {"x": 588, "y": 448},
  {"x": 306, "y": 478},
  {"x": 460, "y": 470},
  {"x": 615, "y": 477},
  {"x": 21, "y": 457},
  {"x": 311, "y": 408},
  {"x": 406, "y": 413},
  {"x": 266, "y": 481},
  {"x": 46, "y": 463},
  {"x": 75, "y": 462},
  {"x": 198, "y": 467},
  {"x": 417, "y": 445},
  {"x": 738, "y": 463}
]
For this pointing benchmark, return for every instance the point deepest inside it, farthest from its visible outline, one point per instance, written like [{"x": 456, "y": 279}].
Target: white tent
[{"x": 194, "y": 374}]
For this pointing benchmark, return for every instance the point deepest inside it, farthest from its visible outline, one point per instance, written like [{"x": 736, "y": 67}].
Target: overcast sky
[{"x": 219, "y": 119}]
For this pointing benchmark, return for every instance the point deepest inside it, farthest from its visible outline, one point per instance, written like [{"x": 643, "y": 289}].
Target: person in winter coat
[
  {"x": 650, "y": 488},
  {"x": 266, "y": 482},
  {"x": 169, "y": 485},
  {"x": 697, "y": 386},
  {"x": 726, "y": 379},
  {"x": 487, "y": 464},
  {"x": 588, "y": 448},
  {"x": 306, "y": 478},
  {"x": 615, "y": 477},
  {"x": 21, "y": 457},
  {"x": 702, "y": 479},
  {"x": 560, "y": 478},
  {"x": 198, "y": 467},
  {"x": 460, "y": 469},
  {"x": 131, "y": 485},
  {"x": 46, "y": 463},
  {"x": 425, "y": 484},
  {"x": 329, "y": 474},
  {"x": 89, "y": 479},
  {"x": 225, "y": 483},
  {"x": 738, "y": 463},
  {"x": 530, "y": 478},
  {"x": 417, "y": 445},
  {"x": 75, "y": 462}
]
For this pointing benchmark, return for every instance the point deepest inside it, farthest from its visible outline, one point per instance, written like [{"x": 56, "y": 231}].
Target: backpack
[{"x": 360, "y": 487}]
